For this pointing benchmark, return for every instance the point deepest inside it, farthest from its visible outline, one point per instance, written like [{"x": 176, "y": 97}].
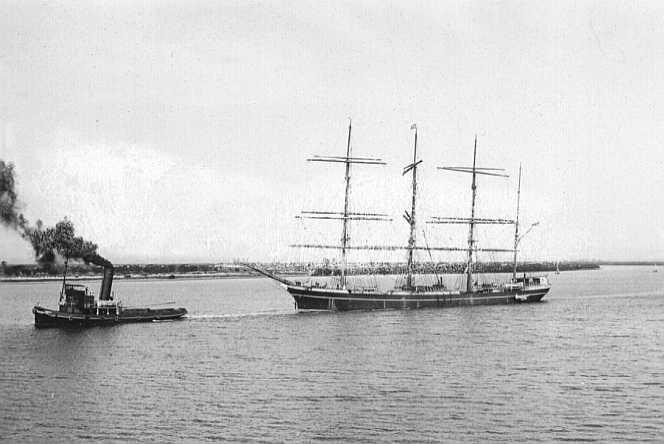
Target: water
[{"x": 588, "y": 365}]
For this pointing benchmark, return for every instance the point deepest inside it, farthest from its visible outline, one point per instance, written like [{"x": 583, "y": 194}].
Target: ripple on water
[{"x": 245, "y": 367}]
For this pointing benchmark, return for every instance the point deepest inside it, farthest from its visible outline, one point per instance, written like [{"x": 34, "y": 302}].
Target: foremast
[{"x": 346, "y": 216}]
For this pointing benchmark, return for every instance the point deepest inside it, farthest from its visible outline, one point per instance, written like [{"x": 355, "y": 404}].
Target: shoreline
[
  {"x": 151, "y": 277},
  {"x": 237, "y": 275}
]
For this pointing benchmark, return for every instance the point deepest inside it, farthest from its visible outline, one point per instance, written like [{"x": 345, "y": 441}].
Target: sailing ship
[
  {"x": 79, "y": 308},
  {"x": 410, "y": 295}
]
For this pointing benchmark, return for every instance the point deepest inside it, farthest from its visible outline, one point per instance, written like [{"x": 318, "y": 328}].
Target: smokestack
[
  {"x": 106, "y": 284},
  {"x": 107, "y": 280}
]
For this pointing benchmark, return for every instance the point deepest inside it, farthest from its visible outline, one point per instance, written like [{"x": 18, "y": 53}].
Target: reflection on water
[{"x": 586, "y": 365}]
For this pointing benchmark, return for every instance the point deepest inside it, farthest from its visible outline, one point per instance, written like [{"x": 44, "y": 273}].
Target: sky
[{"x": 179, "y": 131}]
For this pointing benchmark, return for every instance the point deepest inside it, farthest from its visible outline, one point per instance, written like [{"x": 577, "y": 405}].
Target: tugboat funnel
[{"x": 106, "y": 283}]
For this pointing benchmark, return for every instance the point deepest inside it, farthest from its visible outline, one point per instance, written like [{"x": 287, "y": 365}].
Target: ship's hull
[
  {"x": 312, "y": 298},
  {"x": 45, "y": 318}
]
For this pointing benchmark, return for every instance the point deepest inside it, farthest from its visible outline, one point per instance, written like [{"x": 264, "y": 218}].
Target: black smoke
[
  {"x": 47, "y": 242},
  {"x": 8, "y": 198}
]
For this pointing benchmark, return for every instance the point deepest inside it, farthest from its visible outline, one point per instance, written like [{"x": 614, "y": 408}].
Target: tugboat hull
[
  {"x": 46, "y": 318},
  {"x": 326, "y": 299}
]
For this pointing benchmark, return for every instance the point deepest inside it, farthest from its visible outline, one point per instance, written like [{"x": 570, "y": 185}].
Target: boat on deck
[
  {"x": 80, "y": 308},
  {"x": 342, "y": 296}
]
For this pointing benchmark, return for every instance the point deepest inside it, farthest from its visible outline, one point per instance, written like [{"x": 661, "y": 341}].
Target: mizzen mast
[{"x": 472, "y": 221}]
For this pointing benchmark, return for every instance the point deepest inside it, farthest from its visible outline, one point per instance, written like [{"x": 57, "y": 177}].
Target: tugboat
[
  {"x": 78, "y": 307},
  {"x": 343, "y": 297}
]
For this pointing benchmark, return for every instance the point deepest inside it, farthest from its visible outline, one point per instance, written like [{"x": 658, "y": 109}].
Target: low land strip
[{"x": 33, "y": 272}]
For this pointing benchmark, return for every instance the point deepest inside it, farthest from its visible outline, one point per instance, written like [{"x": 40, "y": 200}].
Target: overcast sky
[{"x": 179, "y": 131}]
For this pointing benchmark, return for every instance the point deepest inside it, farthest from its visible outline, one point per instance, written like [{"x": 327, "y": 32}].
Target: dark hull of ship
[
  {"x": 307, "y": 298},
  {"x": 45, "y": 318}
]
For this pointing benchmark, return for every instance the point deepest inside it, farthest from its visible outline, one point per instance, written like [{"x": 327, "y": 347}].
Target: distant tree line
[
  {"x": 81, "y": 269},
  {"x": 313, "y": 269},
  {"x": 452, "y": 268}
]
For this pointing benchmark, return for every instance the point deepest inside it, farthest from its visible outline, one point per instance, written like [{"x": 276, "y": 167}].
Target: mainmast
[
  {"x": 516, "y": 224},
  {"x": 410, "y": 217}
]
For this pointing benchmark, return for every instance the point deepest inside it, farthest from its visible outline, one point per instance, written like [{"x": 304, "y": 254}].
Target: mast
[
  {"x": 410, "y": 218},
  {"x": 516, "y": 224},
  {"x": 344, "y": 233},
  {"x": 471, "y": 241},
  {"x": 346, "y": 215},
  {"x": 64, "y": 278},
  {"x": 472, "y": 220}
]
